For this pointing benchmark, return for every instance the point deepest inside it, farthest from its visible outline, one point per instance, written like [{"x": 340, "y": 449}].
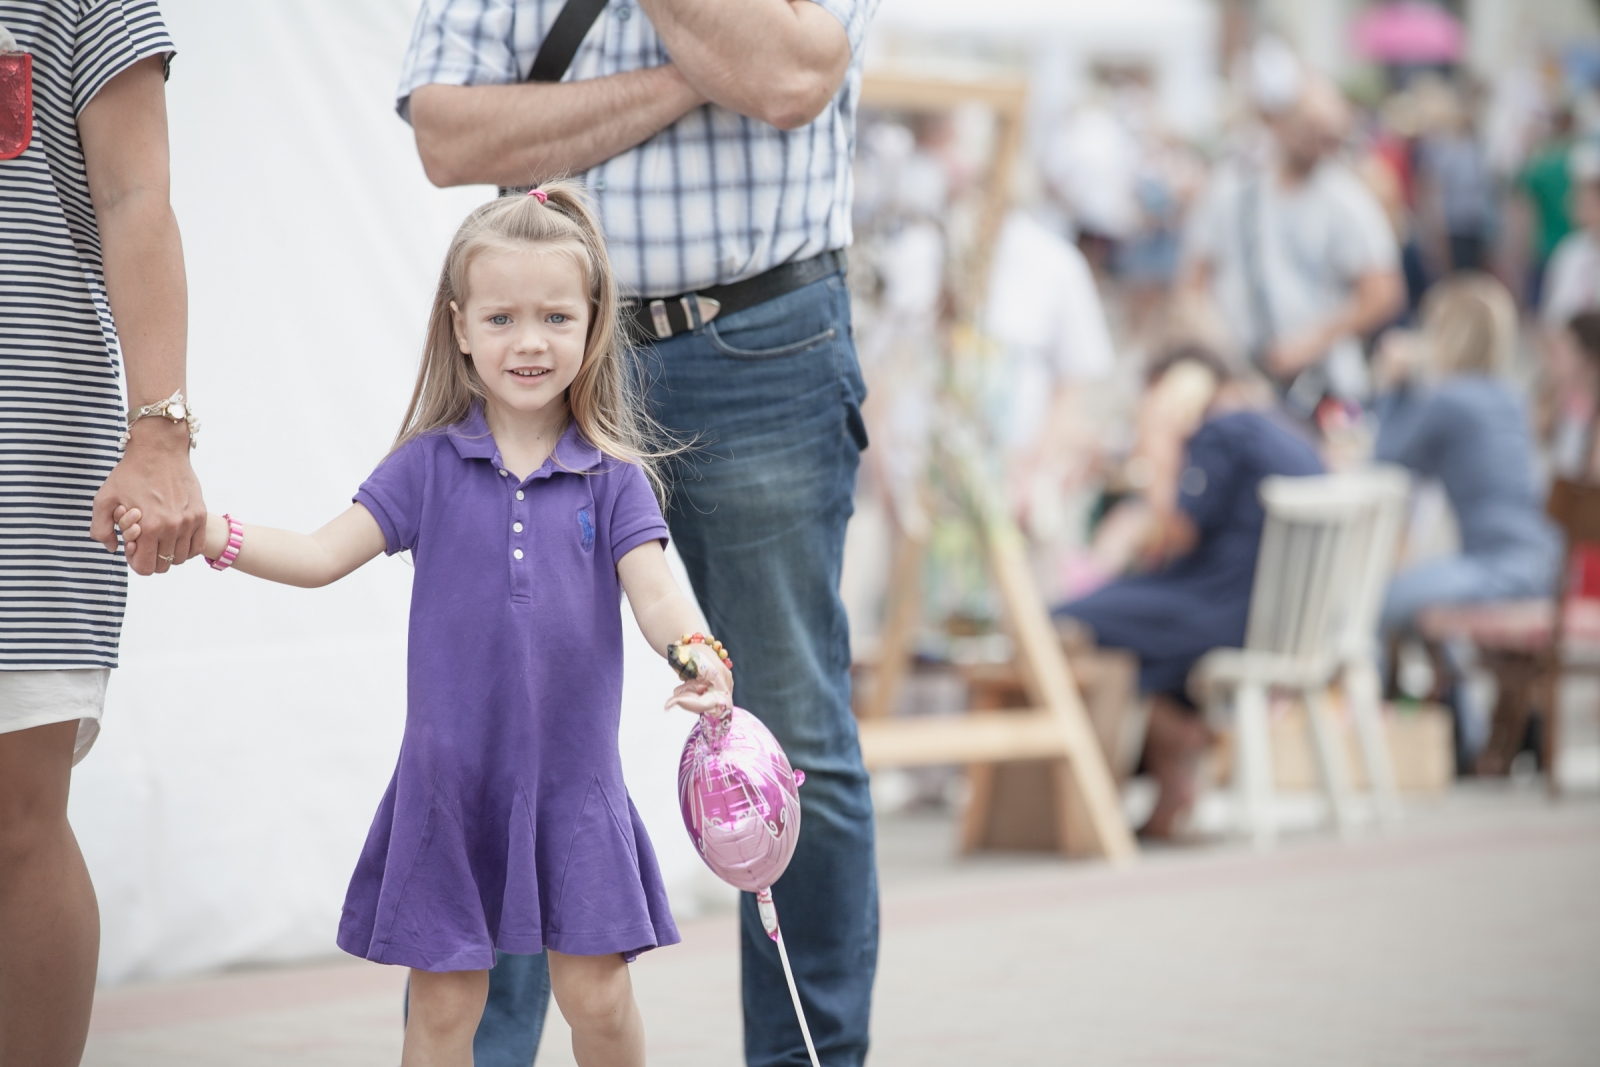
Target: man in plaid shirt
[{"x": 716, "y": 140}]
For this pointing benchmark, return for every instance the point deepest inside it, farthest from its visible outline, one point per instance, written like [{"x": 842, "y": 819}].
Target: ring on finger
[{"x": 166, "y": 559}]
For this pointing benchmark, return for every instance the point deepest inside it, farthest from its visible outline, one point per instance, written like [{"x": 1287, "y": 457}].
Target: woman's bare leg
[
  {"x": 1173, "y": 746},
  {"x": 442, "y": 1014},
  {"x": 595, "y": 995},
  {"x": 49, "y": 923}
]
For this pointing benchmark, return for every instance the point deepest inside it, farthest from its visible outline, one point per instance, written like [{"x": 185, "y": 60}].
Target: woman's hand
[
  {"x": 1399, "y": 358},
  {"x": 156, "y": 481}
]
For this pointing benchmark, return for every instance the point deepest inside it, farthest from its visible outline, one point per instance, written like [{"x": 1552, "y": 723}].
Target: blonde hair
[
  {"x": 605, "y": 398},
  {"x": 1470, "y": 321}
]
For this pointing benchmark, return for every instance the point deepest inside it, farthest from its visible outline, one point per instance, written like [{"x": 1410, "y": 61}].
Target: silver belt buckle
[
  {"x": 658, "y": 318},
  {"x": 697, "y": 311}
]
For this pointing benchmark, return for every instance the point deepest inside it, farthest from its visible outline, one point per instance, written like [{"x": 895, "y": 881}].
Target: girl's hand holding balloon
[{"x": 707, "y": 674}]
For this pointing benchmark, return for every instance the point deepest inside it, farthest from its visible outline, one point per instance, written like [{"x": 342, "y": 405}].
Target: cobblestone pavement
[{"x": 1469, "y": 935}]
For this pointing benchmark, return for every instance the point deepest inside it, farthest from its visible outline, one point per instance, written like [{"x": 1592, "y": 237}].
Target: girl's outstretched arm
[
  {"x": 306, "y": 560},
  {"x": 665, "y": 615}
]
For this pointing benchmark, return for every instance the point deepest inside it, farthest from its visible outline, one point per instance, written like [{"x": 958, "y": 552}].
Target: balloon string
[
  {"x": 769, "y": 923},
  {"x": 794, "y": 993}
]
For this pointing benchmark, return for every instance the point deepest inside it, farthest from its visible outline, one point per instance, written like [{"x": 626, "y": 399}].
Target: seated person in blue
[
  {"x": 1448, "y": 412},
  {"x": 1207, "y": 437}
]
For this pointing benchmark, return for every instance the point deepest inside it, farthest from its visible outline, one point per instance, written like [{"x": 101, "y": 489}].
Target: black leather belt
[{"x": 659, "y": 319}]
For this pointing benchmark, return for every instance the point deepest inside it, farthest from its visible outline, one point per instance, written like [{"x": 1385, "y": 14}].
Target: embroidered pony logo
[{"x": 586, "y": 524}]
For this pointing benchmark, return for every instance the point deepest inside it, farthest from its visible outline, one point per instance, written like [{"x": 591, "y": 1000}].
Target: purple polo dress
[{"x": 507, "y": 824}]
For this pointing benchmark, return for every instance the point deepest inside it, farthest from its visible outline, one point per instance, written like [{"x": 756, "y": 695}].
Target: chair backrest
[
  {"x": 1326, "y": 550},
  {"x": 1390, "y": 489}
]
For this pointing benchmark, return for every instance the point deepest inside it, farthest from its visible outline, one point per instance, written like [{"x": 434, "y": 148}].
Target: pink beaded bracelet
[{"x": 230, "y": 553}]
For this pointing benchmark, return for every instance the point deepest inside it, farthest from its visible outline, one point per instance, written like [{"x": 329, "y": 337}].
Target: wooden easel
[{"x": 1056, "y": 728}]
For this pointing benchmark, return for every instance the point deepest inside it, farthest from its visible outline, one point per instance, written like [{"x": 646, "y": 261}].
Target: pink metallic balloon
[{"x": 740, "y": 799}]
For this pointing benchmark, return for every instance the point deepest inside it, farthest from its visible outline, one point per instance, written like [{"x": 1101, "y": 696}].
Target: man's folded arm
[
  {"x": 778, "y": 61},
  {"x": 532, "y": 132}
]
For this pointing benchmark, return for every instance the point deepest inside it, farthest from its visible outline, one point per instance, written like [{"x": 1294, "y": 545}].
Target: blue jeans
[
  {"x": 1468, "y": 579},
  {"x": 771, "y": 396}
]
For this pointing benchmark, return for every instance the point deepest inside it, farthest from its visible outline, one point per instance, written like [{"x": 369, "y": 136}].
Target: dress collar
[{"x": 472, "y": 440}]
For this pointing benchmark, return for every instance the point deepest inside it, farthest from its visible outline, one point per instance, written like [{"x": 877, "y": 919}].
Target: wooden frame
[{"x": 1056, "y": 727}]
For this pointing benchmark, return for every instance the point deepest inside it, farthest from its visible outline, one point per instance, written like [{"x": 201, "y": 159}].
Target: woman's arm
[
  {"x": 665, "y": 615},
  {"x": 124, "y": 135},
  {"x": 306, "y": 560}
]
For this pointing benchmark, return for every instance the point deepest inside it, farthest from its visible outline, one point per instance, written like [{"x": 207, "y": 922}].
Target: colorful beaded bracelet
[
  {"x": 678, "y": 654},
  {"x": 698, "y": 638},
  {"x": 231, "y": 552}
]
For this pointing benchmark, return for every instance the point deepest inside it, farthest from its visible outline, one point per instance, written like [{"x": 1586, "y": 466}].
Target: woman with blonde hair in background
[{"x": 1449, "y": 412}]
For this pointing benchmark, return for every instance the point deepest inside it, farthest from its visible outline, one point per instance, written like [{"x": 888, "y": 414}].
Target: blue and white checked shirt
[{"x": 715, "y": 197}]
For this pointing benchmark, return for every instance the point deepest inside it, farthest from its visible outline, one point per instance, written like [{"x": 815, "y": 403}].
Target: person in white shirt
[
  {"x": 1572, "y": 280},
  {"x": 1298, "y": 255},
  {"x": 1045, "y": 312}
]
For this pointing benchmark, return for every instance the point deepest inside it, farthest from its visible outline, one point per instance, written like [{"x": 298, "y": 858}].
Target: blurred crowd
[{"x": 1407, "y": 276}]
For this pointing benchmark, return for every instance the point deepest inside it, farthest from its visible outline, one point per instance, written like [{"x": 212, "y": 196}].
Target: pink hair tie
[{"x": 538, "y": 193}]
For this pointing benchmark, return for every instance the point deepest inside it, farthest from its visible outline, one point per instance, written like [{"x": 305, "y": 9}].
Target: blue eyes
[{"x": 555, "y": 319}]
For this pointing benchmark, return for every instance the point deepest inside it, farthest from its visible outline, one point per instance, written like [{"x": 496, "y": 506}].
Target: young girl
[{"x": 519, "y": 484}]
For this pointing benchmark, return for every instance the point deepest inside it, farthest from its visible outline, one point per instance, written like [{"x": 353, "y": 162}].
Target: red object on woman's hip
[{"x": 16, "y": 103}]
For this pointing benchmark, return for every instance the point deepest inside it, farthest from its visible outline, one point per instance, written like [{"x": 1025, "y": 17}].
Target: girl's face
[{"x": 525, "y": 325}]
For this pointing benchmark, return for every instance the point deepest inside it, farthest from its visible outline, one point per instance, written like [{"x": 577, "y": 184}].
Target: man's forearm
[
  {"x": 1377, "y": 299},
  {"x": 524, "y": 134},
  {"x": 779, "y": 61}
]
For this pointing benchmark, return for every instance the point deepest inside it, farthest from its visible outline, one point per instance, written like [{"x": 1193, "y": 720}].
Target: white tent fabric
[
  {"x": 252, "y": 728},
  {"x": 1061, "y": 41}
]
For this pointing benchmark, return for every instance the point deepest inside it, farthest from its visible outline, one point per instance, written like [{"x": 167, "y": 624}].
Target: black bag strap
[{"x": 561, "y": 43}]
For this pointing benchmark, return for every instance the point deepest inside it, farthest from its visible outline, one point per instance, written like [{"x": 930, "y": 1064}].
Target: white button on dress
[
  {"x": 516, "y": 553},
  {"x": 516, "y": 527},
  {"x": 519, "y": 494}
]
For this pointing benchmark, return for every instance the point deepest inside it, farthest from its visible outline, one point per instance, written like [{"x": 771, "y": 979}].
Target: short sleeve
[
  {"x": 393, "y": 493},
  {"x": 112, "y": 36},
  {"x": 853, "y": 15},
  {"x": 1363, "y": 240},
  {"x": 1571, "y": 280},
  {"x": 635, "y": 515},
  {"x": 1212, "y": 470},
  {"x": 460, "y": 42}
]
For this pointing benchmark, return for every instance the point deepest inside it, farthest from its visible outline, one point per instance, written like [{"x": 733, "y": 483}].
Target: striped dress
[{"x": 61, "y": 404}]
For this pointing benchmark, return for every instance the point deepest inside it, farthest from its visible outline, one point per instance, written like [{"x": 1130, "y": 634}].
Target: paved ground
[{"x": 1470, "y": 935}]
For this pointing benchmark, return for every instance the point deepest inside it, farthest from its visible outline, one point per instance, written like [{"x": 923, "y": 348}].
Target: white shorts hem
[{"x": 42, "y": 698}]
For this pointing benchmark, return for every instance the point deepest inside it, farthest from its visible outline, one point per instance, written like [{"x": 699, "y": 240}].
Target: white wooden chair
[{"x": 1326, "y": 553}]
